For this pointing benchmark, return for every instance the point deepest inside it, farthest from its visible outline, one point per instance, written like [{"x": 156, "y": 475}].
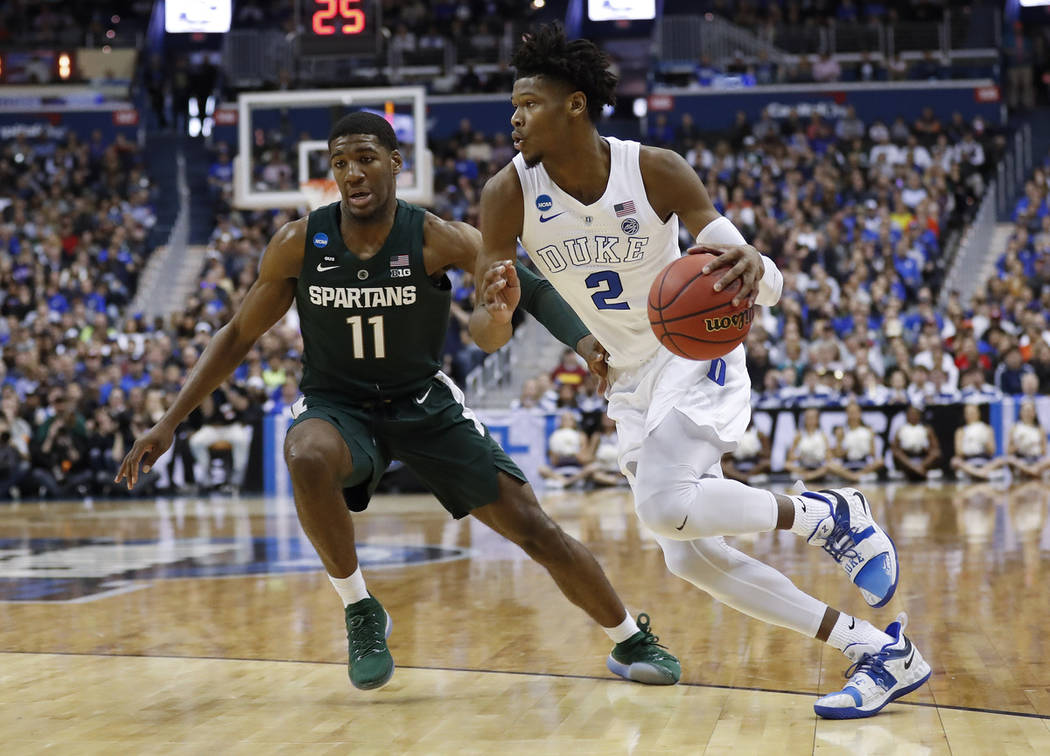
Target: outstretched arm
[
  {"x": 266, "y": 302},
  {"x": 501, "y": 222}
]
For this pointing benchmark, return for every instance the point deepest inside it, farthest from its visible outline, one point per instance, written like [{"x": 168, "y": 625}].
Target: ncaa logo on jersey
[
  {"x": 320, "y": 240},
  {"x": 544, "y": 203},
  {"x": 629, "y": 226}
]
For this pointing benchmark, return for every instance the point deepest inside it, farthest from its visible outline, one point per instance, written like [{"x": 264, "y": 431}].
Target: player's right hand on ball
[
  {"x": 146, "y": 450},
  {"x": 500, "y": 291}
]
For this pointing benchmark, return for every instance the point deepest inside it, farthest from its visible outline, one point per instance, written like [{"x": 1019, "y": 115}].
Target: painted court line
[{"x": 975, "y": 709}]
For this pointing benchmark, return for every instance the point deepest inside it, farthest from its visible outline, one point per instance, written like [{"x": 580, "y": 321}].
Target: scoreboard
[{"x": 339, "y": 27}]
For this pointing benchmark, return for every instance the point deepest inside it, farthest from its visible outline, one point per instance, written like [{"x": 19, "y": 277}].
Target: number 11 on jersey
[{"x": 357, "y": 336}]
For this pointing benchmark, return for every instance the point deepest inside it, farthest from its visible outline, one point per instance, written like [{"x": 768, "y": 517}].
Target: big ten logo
[
  {"x": 544, "y": 203},
  {"x": 738, "y": 321},
  {"x": 400, "y": 272}
]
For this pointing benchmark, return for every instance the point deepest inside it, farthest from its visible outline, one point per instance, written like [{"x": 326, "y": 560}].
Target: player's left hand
[
  {"x": 743, "y": 261},
  {"x": 597, "y": 359},
  {"x": 500, "y": 291}
]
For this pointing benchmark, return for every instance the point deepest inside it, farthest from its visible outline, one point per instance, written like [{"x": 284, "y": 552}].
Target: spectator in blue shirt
[
  {"x": 1008, "y": 374},
  {"x": 136, "y": 376}
]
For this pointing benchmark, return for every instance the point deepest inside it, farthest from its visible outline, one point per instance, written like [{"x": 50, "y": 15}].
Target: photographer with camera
[{"x": 61, "y": 461}]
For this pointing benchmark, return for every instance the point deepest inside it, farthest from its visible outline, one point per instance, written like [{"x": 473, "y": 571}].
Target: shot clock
[{"x": 339, "y": 27}]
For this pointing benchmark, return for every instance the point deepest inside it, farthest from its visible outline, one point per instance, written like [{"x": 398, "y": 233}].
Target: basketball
[{"x": 692, "y": 319}]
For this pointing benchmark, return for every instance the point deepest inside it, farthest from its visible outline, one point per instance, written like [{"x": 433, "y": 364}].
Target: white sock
[
  {"x": 808, "y": 514},
  {"x": 623, "y": 631},
  {"x": 350, "y": 589},
  {"x": 850, "y": 630}
]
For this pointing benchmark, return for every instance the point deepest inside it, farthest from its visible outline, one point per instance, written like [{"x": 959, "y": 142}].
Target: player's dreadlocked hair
[
  {"x": 363, "y": 122},
  {"x": 579, "y": 63}
]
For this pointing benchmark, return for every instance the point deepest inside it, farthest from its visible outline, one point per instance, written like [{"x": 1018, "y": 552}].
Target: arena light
[
  {"x": 193, "y": 125},
  {"x": 65, "y": 66},
  {"x": 621, "y": 10},
  {"x": 537, "y": 4},
  {"x": 640, "y": 107},
  {"x": 195, "y": 17}
]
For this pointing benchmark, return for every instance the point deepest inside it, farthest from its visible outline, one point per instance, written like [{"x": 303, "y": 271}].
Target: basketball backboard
[{"x": 282, "y": 150}]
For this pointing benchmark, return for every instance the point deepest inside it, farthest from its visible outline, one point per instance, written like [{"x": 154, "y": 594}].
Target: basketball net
[{"x": 320, "y": 192}]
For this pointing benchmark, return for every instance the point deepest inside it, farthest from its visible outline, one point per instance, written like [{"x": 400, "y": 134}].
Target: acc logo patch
[
  {"x": 629, "y": 226},
  {"x": 544, "y": 203},
  {"x": 86, "y": 569},
  {"x": 320, "y": 240}
]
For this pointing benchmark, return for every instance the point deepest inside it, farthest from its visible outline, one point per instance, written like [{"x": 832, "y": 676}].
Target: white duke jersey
[{"x": 603, "y": 257}]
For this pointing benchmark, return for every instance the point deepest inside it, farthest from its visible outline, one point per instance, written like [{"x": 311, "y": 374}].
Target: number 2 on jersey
[
  {"x": 357, "y": 336},
  {"x": 613, "y": 289}
]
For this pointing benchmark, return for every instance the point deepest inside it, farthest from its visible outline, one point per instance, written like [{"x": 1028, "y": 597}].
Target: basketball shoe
[
  {"x": 877, "y": 676},
  {"x": 367, "y": 627},
  {"x": 642, "y": 659},
  {"x": 855, "y": 541}
]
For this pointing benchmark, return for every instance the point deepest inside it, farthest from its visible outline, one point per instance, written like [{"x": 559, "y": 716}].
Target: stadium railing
[
  {"x": 958, "y": 36},
  {"x": 971, "y": 260}
]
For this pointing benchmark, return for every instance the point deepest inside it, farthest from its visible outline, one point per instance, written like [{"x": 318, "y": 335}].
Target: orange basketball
[{"x": 692, "y": 319}]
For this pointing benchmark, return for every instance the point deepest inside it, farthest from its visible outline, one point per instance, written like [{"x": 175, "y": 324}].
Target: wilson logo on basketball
[{"x": 739, "y": 321}]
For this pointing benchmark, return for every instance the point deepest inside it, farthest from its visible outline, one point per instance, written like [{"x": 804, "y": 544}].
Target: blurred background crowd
[{"x": 856, "y": 214}]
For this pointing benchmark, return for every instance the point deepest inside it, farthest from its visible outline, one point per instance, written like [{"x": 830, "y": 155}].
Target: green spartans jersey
[{"x": 372, "y": 329}]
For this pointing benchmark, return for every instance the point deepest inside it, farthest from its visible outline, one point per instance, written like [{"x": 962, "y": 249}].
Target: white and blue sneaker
[
  {"x": 877, "y": 676},
  {"x": 856, "y": 542}
]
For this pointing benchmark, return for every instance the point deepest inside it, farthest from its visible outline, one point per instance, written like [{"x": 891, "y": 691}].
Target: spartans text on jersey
[{"x": 351, "y": 297}]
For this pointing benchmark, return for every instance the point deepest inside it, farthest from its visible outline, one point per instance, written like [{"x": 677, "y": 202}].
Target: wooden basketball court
[{"x": 206, "y": 625}]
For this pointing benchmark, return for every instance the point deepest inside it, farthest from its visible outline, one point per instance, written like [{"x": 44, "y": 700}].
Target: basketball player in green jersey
[{"x": 367, "y": 277}]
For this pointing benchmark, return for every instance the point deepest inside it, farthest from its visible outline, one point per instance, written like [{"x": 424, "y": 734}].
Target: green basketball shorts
[{"x": 431, "y": 431}]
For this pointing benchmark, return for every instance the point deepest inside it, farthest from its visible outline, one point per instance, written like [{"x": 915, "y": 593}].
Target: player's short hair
[
  {"x": 578, "y": 62},
  {"x": 363, "y": 122}
]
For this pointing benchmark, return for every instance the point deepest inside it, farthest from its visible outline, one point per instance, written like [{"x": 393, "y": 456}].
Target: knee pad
[{"x": 664, "y": 508}]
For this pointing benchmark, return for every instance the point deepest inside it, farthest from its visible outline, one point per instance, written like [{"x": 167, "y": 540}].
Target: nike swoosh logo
[
  {"x": 683, "y": 523},
  {"x": 852, "y": 622},
  {"x": 322, "y": 269},
  {"x": 908, "y": 663},
  {"x": 544, "y": 219},
  {"x": 423, "y": 398}
]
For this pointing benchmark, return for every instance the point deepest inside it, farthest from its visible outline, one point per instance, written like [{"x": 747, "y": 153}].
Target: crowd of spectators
[
  {"x": 855, "y": 214},
  {"x": 835, "y": 337},
  {"x": 75, "y": 217},
  {"x": 44, "y": 24},
  {"x": 816, "y": 69},
  {"x": 759, "y": 13}
]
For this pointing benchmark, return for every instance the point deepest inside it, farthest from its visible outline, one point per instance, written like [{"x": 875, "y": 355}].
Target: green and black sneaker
[
  {"x": 367, "y": 628},
  {"x": 641, "y": 659}
]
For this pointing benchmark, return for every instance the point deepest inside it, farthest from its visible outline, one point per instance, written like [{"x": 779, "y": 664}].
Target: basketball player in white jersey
[{"x": 599, "y": 217}]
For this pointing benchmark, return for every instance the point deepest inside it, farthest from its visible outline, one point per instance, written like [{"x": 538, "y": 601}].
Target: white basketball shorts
[{"x": 715, "y": 394}]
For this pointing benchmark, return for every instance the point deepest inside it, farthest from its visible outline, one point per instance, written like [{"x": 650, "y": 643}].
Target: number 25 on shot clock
[{"x": 337, "y": 27}]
